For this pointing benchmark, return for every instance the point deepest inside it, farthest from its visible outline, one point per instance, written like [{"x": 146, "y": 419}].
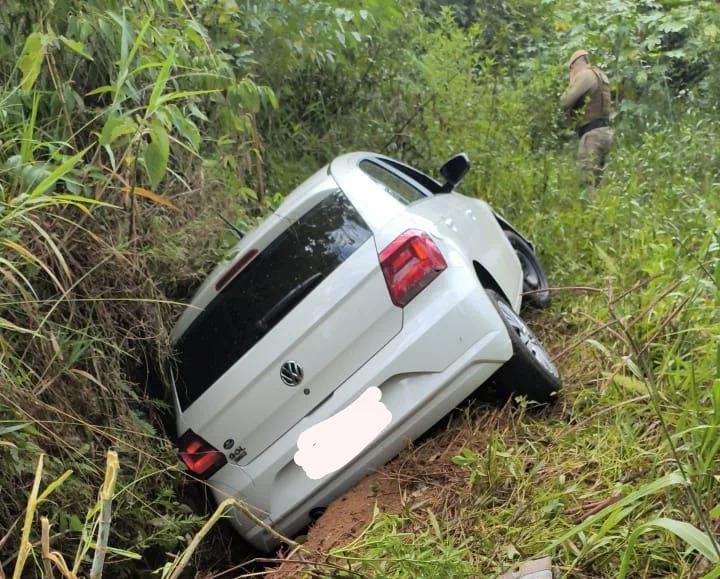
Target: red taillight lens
[
  {"x": 200, "y": 457},
  {"x": 409, "y": 264}
]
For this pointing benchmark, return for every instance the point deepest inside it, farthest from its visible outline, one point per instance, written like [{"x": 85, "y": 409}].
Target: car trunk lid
[{"x": 313, "y": 300}]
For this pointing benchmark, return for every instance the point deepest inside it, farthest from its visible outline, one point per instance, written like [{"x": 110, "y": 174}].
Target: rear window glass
[
  {"x": 391, "y": 183},
  {"x": 265, "y": 291}
]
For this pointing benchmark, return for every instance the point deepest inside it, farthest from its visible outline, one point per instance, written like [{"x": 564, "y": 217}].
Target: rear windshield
[{"x": 266, "y": 291}]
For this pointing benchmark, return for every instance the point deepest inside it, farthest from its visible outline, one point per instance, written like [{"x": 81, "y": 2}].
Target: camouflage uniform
[{"x": 588, "y": 99}]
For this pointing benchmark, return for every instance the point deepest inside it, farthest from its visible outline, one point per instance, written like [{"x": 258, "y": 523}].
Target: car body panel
[
  {"x": 424, "y": 358},
  {"x": 353, "y": 318},
  {"x": 469, "y": 226},
  {"x": 420, "y": 382}
]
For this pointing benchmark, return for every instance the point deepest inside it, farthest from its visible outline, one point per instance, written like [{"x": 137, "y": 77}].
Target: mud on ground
[{"x": 421, "y": 477}]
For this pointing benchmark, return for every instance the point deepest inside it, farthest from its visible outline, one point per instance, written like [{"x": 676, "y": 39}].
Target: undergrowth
[{"x": 128, "y": 128}]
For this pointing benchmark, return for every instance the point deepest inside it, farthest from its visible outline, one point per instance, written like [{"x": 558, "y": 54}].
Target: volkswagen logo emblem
[{"x": 291, "y": 373}]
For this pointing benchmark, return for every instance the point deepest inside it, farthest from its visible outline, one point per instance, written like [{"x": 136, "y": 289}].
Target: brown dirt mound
[{"x": 420, "y": 477}]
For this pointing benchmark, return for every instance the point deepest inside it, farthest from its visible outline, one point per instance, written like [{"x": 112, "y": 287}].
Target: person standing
[{"x": 587, "y": 101}]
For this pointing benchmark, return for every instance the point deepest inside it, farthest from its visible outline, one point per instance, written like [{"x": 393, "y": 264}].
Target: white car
[{"x": 353, "y": 318}]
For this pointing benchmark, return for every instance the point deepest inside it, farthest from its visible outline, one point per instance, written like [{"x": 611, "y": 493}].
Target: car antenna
[{"x": 235, "y": 229}]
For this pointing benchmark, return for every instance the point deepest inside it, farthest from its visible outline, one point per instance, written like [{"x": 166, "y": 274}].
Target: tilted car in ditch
[{"x": 353, "y": 318}]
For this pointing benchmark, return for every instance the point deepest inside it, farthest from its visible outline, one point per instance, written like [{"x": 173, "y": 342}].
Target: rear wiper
[{"x": 291, "y": 299}]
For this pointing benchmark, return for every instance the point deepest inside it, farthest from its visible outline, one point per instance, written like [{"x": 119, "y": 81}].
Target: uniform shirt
[{"x": 590, "y": 89}]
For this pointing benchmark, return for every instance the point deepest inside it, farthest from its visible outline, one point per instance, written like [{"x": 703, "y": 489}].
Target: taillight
[
  {"x": 199, "y": 456},
  {"x": 409, "y": 264}
]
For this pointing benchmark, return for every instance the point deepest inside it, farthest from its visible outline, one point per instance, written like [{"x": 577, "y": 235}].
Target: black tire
[
  {"x": 530, "y": 372},
  {"x": 535, "y": 282}
]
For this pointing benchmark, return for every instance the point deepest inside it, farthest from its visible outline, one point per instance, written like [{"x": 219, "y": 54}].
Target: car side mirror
[{"x": 454, "y": 170}]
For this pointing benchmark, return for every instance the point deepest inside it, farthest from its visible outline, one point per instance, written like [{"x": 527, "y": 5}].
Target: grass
[
  {"x": 619, "y": 476},
  {"x": 122, "y": 135}
]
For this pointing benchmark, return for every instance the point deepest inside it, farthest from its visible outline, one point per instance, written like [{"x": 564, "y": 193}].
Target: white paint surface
[{"x": 331, "y": 444}]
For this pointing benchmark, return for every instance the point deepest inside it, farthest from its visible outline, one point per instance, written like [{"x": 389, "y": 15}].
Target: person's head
[{"x": 578, "y": 61}]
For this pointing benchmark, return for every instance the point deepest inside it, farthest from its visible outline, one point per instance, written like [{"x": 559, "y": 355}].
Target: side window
[
  {"x": 392, "y": 184},
  {"x": 429, "y": 184}
]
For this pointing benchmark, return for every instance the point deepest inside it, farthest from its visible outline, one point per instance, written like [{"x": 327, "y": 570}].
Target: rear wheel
[
  {"x": 530, "y": 372},
  {"x": 535, "y": 283}
]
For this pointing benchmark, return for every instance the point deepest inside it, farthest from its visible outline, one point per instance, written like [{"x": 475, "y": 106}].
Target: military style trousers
[{"x": 593, "y": 154}]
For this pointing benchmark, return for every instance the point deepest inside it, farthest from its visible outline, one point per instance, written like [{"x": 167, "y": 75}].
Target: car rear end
[{"x": 340, "y": 296}]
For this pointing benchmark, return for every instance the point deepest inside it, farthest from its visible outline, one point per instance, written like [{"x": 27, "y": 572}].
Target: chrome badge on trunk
[{"x": 291, "y": 373}]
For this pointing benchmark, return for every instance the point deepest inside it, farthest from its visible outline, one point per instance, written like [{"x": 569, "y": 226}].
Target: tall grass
[
  {"x": 125, "y": 127},
  {"x": 619, "y": 478}
]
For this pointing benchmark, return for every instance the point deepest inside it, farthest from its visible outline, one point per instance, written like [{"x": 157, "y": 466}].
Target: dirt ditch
[{"x": 421, "y": 477}]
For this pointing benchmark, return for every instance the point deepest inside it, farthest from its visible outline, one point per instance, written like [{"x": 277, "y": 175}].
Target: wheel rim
[
  {"x": 531, "y": 279},
  {"x": 528, "y": 338}
]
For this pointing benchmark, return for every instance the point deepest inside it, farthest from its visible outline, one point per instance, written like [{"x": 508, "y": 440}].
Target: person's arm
[{"x": 575, "y": 94}]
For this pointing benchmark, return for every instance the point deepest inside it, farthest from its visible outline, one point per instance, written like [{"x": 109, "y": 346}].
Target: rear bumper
[{"x": 452, "y": 341}]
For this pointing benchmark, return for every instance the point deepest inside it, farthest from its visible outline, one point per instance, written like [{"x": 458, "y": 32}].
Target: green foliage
[
  {"x": 653, "y": 51},
  {"x": 125, "y": 127},
  {"x": 423, "y": 553}
]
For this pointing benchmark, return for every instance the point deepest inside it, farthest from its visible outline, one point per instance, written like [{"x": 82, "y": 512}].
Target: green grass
[
  {"x": 633, "y": 437},
  {"x": 124, "y": 133}
]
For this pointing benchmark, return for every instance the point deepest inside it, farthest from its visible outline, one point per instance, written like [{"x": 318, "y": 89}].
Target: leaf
[
  {"x": 673, "y": 26},
  {"x": 247, "y": 192},
  {"x": 610, "y": 263},
  {"x": 90, "y": 377},
  {"x": 26, "y": 253},
  {"x": 694, "y": 537},
  {"x": 599, "y": 346},
  {"x": 116, "y": 126},
  {"x": 100, "y": 90},
  {"x": 715, "y": 512},
  {"x": 714, "y": 574},
  {"x": 465, "y": 458},
  {"x": 160, "y": 83},
  {"x": 58, "y": 173},
  {"x": 75, "y": 46},
  {"x": 75, "y": 524},
  {"x": 435, "y": 524},
  {"x": 186, "y": 128},
  {"x": 31, "y": 58},
  {"x": 173, "y": 96},
  {"x": 13, "y": 428},
  {"x": 54, "y": 485},
  {"x": 630, "y": 383},
  {"x": 159, "y": 199},
  {"x": 157, "y": 153},
  {"x": 249, "y": 95},
  {"x": 124, "y": 553},
  {"x": 655, "y": 486},
  {"x": 8, "y": 325},
  {"x": 270, "y": 96}
]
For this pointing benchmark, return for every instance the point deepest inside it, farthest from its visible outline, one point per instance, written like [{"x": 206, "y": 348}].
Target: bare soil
[{"x": 421, "y": 477}]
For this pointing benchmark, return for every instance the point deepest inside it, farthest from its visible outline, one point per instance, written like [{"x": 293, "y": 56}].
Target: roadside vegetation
[{"x": 126, "y": 128}]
